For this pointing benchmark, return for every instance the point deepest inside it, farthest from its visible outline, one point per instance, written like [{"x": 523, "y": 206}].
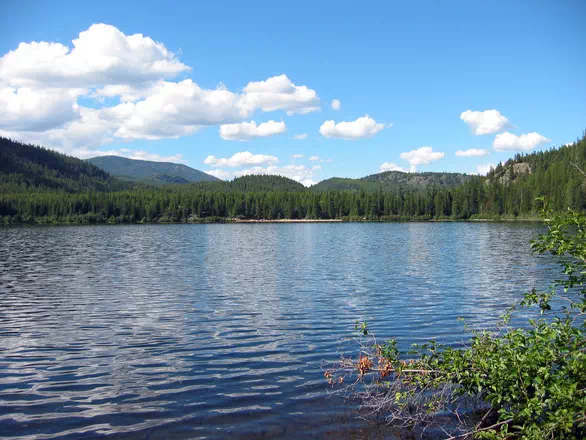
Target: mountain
[
  {"x": 154, "y": 173},
  {"x": 41, "y": 186},
  {"x": 396, "y": 181},
  {"x": 344, "y": 184},
  {"x": 258, "y": 183},
  {"x": 26, "y": 167}
]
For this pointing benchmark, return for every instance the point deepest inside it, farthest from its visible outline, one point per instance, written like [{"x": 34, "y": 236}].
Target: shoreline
[
  {"x": 252, "y": 221},
  {"x": 288, "y": 220}
]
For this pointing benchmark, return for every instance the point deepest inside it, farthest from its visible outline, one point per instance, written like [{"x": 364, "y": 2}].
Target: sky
[{"x": 308, "y": 90}]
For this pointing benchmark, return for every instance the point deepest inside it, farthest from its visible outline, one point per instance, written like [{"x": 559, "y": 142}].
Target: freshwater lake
[{"x": 221, "y": 330}]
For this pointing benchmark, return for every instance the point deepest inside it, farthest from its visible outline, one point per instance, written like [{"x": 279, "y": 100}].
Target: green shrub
[{"x": 527, "y": 383}]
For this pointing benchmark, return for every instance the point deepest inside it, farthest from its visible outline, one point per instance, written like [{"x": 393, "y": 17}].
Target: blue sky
[{"x": 412, "y": 67}]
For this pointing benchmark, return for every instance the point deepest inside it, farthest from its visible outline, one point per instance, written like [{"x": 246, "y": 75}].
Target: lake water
[{"x": 220, "y": 331}]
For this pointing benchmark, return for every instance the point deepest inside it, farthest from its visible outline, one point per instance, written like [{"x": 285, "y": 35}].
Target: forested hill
[
  {"x": 153, "y": 173},
  {"x": 418, "y": 180},
  {"x": 29, "y": 168},
  {"x": 394, "y": 181},
  {"x": 256, "y": 183},
  {"x": 556, "y": 174},
  {"x": 509, "y": 191},
  {"x": 248, "y": 184}
]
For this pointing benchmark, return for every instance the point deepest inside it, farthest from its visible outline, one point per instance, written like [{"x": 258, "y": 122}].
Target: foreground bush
[{"x": 527, "y": 383}]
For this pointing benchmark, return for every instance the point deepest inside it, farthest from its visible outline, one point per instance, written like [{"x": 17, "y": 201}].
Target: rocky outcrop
[{"x": 511, "y": 172}]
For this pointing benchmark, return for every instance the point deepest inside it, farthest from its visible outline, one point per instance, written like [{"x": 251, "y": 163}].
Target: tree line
[{"x": 505, "y": 193}]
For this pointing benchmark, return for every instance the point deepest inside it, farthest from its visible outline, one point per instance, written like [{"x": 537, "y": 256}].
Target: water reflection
[{"x": 220, "y": 330}]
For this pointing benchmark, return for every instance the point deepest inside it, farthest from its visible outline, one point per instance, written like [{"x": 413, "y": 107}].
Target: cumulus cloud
[
  {"x": 246, "y": 131},
  {"x": 173, "y": 110},
  {"x": 472, "y": 152},
  {"x": 126, "y": 92},
  {"x": 421, "y": 156},
  {"x": 300, "y": 137},
  {"x": 336, "y": 104},
  {"x": 41, "y": 83},
  {"x": 525, "y": 142},
  {"x": 313, "y": 158},
  {"x": 177, "y": 109},
  {"x": 28, "y": 109},
  {"x": 299, "y": 173},
  {"x": 483, "y": 169},
  {"x": 389, "y": 166},
  {"x": 486, "y": 122},
  {"x": 364, "y": 127},
  {"x": 297, "y": 156},
  {"x": 279, "y": 93},
  {"x": 75, "y": 137},
  {"x": 101, "y": 55},
  {"x": 240, "y": 159},
  {"x": 220, "y": 174}
]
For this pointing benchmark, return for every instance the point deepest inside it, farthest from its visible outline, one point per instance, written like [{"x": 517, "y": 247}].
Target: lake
[{"x": 220, "y": 330}]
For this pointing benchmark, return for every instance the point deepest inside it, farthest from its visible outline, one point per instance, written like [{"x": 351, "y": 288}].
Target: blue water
[{"x": 220, "y": 331}]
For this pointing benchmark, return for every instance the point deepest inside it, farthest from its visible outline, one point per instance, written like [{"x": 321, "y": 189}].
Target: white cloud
[
  {"x": 246, "y": 131},
  {"x": 313, "y": 158},
  {"x": 472, "y": 152},
  {"x": 220, "y": 174},
  {"x": 126, "y": 92},
  {"x": 41, "y": 83},
  {"x": 389, "y": 166},
  {"x": 421, "y": 156},
  {"x": 299, "y": 173},
  {"x": 525, "y": 142},
  {"x": 28, "y": 109},
  {"x": 483, "y": 169},
  {"x": 74, "y": 138},
  {"x": 336, "y": 104},
  {"x": 364, "y": 127},
  {"x": 300, "y": 137},
  {"x": 486, "y": 122},
  {"x": 240, "y": 159},
  {"x": 173, "y": 110},
  {"x": 297, "y": 156},
  {"x": 100, "y": 55},
  {"x": 178, "y": 109},
  {"x": 279, "y": 93}
]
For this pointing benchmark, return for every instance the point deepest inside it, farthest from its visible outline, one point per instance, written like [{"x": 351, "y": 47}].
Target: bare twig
[{"x": 488, "y": 428}]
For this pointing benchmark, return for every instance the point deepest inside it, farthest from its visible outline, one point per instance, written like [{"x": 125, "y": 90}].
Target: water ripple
[{"x": 215, "y": 331}]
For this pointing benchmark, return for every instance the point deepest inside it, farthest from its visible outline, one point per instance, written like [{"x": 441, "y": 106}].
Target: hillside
[
  {"x": 394, "y": 181},
  {"x": 26, "y": 167},
  {"x": 247, "y": 184},
  {"x": 257, "y": 183},
  {"x": 418, "y": 180},
  {"x": 41, "y": 186},
  {"x": 553, "y": 173},
  {"x": 153, "y": 173}
]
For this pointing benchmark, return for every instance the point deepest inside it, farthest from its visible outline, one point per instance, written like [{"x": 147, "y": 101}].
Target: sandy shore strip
[{"x": 287, "y": 220}]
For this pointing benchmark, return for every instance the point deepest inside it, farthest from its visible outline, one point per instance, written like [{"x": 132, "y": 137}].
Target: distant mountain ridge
[
  {"x": 26, "y": 167},
  {"x": 38, "y": 185},
  {"x": 154, "y": 173},
  {"x": 394, "y": 180}
]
